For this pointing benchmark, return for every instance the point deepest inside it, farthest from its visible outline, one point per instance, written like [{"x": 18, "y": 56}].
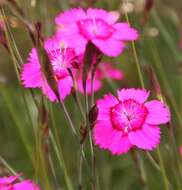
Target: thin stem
[
  {"x": 76, "y": 96},
  {"x": 5, "y": 163},
  {"x": 166, "y": 184},
  {"x": 90, "y": 131},
  {"x": 152, "y": 160},
  {"x": 175, "y": 155},
  {"x": 60, "y": 157},
  {"x": 90, "y": 140},
  {"x": 80, "y": 185},
  {"x": 58, "y": 149},
  {"x": 138, "y": 65},
  {"x": 15, "y": 62},
  {"x": 92, "y": 89},
  {"x": 135, "y": 55},
  {"x": 158, "y": 65},
  {"x": 78, "y": 102},
  {"x": 138, "y": 158},
  {"x": 140, "y": 167},
  {"x": 68, "y": 118}
]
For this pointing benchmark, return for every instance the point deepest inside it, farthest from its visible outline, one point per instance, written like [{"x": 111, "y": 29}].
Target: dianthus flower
[
  {"x": 10, "y": 183},
  {"x": 61, "y": 58},
  {"x": 104, "y": 70},
  {"x": 128, "y": 121},
  {"x": 96, "y": 25}
]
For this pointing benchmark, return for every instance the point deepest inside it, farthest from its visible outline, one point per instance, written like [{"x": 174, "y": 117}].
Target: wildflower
[
  {"x": 61, "y": 58},
  {"x": 11, "y": 183},
  {"x": 129, "y": 121},
  {"x": 104, "y": 70},
  {"x": 96, "y": 25}
]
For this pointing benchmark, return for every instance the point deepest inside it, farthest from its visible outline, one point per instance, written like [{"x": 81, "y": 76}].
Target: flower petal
[
  {"x": 110, "y": 47},
  {"x": 31, "y": 75},
  {"x": 104, "y": 106},
  {"x": 70, "y": 16},
  {"x": 124, "y": 32},
  {"x": 139, "y": 95},
  {"x": 78, "y": 43},
  {"x": 27, "y": 184},
  {"x": 109, "y": 17},
  {"x": 146, "y": 138},
  {"x": 120, "y": 143},
  {"x": 111, "y": 72},
  {"x": 108, "y": 138},
  {"x": 47, "y": 91},
  {"x": 103, "y": 134},
  {"x": 158, "y": 113},
  {"x": 8, "y": 180},
  {"x": 96, "y": 87},
  {"x": 65, "y": 86}
]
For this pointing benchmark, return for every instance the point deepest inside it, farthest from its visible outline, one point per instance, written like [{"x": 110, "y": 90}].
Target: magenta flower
[
  {"x": 96, "y": 25},
  {"x": 97, "y": 83},
  {"x": 10, "y": 183},
  {"x": 129, "y": 121},
  {"x": 104, "y": 70},
  {"x": 61, "y": 58}
]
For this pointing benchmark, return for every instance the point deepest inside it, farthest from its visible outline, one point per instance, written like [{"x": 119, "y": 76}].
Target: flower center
[
  {"x": 128, "y": 115},
  {"x": 63, "y": 58},
  {"x": 95, "y": 28}
]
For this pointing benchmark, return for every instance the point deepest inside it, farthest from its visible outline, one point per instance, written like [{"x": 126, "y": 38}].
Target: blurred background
[{"x": 159, "y": 23}]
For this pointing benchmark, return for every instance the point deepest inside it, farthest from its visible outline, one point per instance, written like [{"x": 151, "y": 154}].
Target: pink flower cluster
[
  {"x": 128, "y": 120},
  {"x": 10, "y": 183},
  {"x": 124, "y": 121},
  {"x": 66, "y": 48}
]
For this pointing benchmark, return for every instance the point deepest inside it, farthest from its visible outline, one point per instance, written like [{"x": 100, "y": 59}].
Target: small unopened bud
[
  {"x": 93, "y": 116},
  {"x": 91, "y": 56},
  {"x": 156, "y": 85},
  {"x": 149, "y": 5},
  {"x": 147, "y": 8}
]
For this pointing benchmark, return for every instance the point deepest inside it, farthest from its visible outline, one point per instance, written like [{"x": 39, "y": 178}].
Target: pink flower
[
  {"x": 97, "y": 84},
  {"x": 128, "y": 121},
  {"x": 104, "y": 70},
  {"x": 10, "y": 183},
  {"x": 96, "y": 25},
  {"x": 61, "y": 58}
]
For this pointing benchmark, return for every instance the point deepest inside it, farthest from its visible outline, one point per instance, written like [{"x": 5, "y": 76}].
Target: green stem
[
  {"x": 5, "y": 163},
  {"x": 80, "y": 185},
  {"x": 166, "y": 184},
  {"x": 60, "y": 157},
  {"x": 139, "y": 70},
  {"x": 140, "y": 167},
  {"x": 68, "y": 118},
  {"x": 58, "y": 150},
  {"x": 90, "y": 140}
]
